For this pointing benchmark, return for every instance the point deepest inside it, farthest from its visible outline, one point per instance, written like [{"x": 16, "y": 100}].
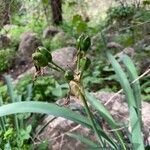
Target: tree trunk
[
  {"x": 56, "y": 6},
  {"x": 6, "y": 13}
]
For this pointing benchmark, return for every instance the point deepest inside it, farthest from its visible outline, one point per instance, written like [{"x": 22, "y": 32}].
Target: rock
[
  {"x": 56, "y": 128},
  {"x": 4, "y": 41},
  {"x": 65, "y": 57},
  {"x": 143, "y": 44},
  {"x": 29, "y": 43},
  {"x": 146, "y": 28},
  {"x": 111, "y": 45},
  {"x": 144, "y": 64},
  {"x": 8, "y": 27},
  {"x": 50, "y": 32},
  {"x": 128, "y": 51}
]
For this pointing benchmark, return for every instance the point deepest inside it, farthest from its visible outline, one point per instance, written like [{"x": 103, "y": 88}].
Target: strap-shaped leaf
[
  {"x": 45, "y": 108},
  {"x": 132, "y": 76},
  {"x": 103, "y": 112},
  {"x": 137, "y": 139},
  {"x": 84, "y": 140},
  {"x": 51, "y": 109}
]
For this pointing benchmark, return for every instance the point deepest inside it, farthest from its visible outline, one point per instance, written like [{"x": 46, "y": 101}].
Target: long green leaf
[
  {"x": 122, "y": 79},
  {"x": 82, "y": 139},
  {"x": 2, "y": 119},
  {"x": 137, "y": 95},
  {"x": 101, "y": 109},
  {"x": 12, "y": 97},
  {"x": 106, "y": 115},
  {"x": 132, "y": 76},
  {"x": 45, "y": 108},
  {"x": 134, "y": 119},
  {"x": 51, "y": 109}
]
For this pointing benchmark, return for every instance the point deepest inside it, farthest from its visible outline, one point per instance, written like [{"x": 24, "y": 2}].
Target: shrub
[
  {"x": 6, "y": 57},
  {"x": 120, "y": 13},
  {"x": 44, "y": 88}
]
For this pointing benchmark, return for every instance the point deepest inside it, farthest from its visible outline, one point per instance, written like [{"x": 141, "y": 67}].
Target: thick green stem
[
  {"x": 52, "y": 67},
  {"x": 78, "y": 60},
  {"x": 57, "y": 66},
  {"x": 91, "y": 117}
]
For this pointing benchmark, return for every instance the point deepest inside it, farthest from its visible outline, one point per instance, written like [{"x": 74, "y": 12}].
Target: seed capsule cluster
[
  {"x": 83, "y": 43},
  {"x": 42, "y": 58}
]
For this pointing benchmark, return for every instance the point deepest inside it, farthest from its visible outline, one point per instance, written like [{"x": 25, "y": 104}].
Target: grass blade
[
  {"x": 2, "y": 119},
  {"x": 101, "y": 109},
  {"x": 104, "y": 113},
  {"x": 84, "y": 140},
  {"x": 131, "y": 70},
  {"x": 132, "y": 76},
  {"x": 122, "y": 79},
  {"x": 29, "y": 92},
  {"x": 12, "y": 97}
]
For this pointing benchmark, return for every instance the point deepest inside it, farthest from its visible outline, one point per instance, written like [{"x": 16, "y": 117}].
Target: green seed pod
[
  {"x": 80, "y": 41},
  {"x": 39, "y": 59},
  {"x": 85, "y": 63},
  {"x": 46, "y": 53},
  {"x": 69, "y": 75},
  {"x": 86, "y": 43}
]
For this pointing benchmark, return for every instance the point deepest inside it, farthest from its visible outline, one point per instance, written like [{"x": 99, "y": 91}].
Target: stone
[
  {"x": 142, "y": 44},
  {"x": 50, "y": 32},
  {"x": 58, "y": 126},
  {"x": 144, "y": 64},
  {"x": 8, "y": 27},
  {"x": 65, "y": 57},
  {"x": 56, "y": 129},
  {"x": 111, "y": 45},
  {"x": 146, "y": 28},
  {"x": 28, "y": 45},
  {"x": 128, "y": 51}
]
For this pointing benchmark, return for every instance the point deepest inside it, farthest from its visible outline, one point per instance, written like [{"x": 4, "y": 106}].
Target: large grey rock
[
  {"x": 56, "y": 128},
  {"x": 29, "y": 43},
  {"x": 8, "y": 27},
  {"x": 50, "y": 32},
  {"x": 65, "y": 57},
  {"x": 147, "y": 28},
  {"x": 114, "y": 45}
]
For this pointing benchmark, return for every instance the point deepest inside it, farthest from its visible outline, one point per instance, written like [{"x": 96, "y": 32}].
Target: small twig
[
  {"x": 116, "y": 129},
  {"x": 44, "y": 126},
  {"x": 141, "y": 76},
  {"x": 61, "y": 142}
]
